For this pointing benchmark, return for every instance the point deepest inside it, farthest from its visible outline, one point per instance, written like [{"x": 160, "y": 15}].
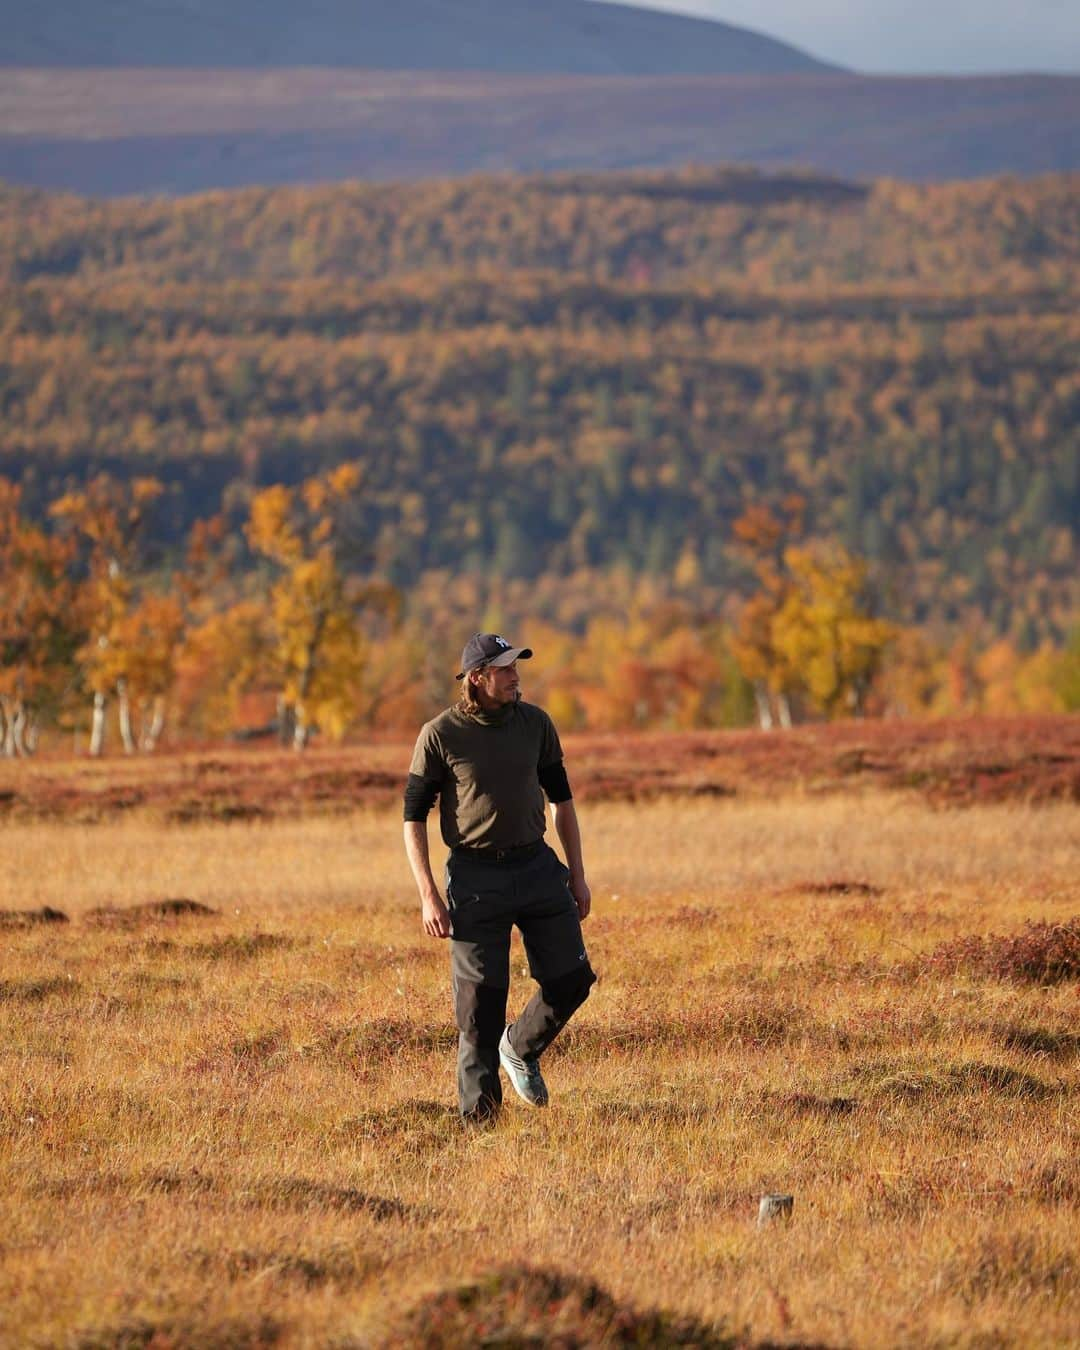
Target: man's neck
[{"x": 489, "y": 710}]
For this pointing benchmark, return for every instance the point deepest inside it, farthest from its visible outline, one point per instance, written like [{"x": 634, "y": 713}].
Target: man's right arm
[
  {"x": 436, "y": 917},
  {"x": 421, "y": 792}
]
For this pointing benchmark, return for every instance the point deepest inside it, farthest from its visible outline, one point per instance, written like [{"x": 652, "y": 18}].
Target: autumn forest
[{"x": 733, "y": 447}]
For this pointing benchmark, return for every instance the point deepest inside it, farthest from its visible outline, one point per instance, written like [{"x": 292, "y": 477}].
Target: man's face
[{"x": 497, "y": 685}]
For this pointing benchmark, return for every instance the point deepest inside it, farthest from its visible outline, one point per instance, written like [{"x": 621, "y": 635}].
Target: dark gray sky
[{"x": 913, "y": 36}]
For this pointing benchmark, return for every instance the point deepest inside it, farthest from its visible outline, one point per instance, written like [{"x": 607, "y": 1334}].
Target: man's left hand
[{"x": 579, "y": 889}]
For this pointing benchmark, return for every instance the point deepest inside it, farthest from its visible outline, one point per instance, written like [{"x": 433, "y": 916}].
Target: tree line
[{"x": 280, "y": 630}]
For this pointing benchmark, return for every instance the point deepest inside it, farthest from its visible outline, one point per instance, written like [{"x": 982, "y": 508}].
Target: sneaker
[{"x": 524, "y": 1074}]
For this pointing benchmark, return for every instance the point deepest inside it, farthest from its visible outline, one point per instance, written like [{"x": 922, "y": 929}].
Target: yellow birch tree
[
  {"x": 109, "y": 518},
  {"x": 38, "y": 624},
  {"x": 825, "y": 630},
  {"x": 305, "y": 532}
]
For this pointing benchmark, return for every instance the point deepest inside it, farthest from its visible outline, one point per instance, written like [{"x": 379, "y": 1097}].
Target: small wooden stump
[{"x": 774, "y": 1207}]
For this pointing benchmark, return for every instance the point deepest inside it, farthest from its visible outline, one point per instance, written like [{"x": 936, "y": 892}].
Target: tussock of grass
[
  {"x": 296, "y": 1194},
  {"x": 808, "y": 1104},
  {"x": 335, "y": 1265},
  {"x": 261, "y": 1045},
  {"x": 525, "y": 1307},
  {"x": 1025, "y": 1265},
  {"x": 250, "y": 1056},
  {"x": 33, "y": 991},
  {"x": 153, "y": 1334},
  {"x": 199, "y": 810},
  {"x": 131, "y": 916},
  {"x": 913, "y": 1082},
  {"x": 230, "y": 947},
  {"x": 28, "y": 918},
  {"x": 414, "y": 1122},
  {"x": 300, "y": 1194},
  {"x": 1057, "y": 1181},
  {"x": 383, "y": 1038},
  {"x": 689, "y": 1112},
  {"x": 155, "y": 1181},
  {"x": 838, "y": 886},
  {"x": 1041, "y": 953},
  {"x": 241, "y": 947},
  {"x": 908, "y": 1198},
  {"x": 1036, "y": 1040},
  {"x": 152, "y": 981}
]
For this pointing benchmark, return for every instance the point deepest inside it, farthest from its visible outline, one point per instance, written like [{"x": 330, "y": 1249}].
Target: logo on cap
[{"x": 502, "y": 642}]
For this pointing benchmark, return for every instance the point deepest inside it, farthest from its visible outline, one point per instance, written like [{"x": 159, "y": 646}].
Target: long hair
[{"x": 467, "y": 704}]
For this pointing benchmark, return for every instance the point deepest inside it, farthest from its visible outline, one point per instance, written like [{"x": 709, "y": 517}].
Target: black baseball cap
[{"x": 488, "y": 649}]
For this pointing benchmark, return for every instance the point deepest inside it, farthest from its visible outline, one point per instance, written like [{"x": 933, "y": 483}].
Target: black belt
[{"x": 516, "y": 853}]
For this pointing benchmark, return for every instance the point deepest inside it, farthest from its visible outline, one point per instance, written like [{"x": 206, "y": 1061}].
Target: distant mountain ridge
[
  {"x": 163, "y": 131},
  {"x": 573, "y": 37}
]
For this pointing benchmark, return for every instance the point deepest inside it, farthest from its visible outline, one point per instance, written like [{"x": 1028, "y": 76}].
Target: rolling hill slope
[
  {"x": 555, "y": 376},
  {"x": 557, "y": 36}
]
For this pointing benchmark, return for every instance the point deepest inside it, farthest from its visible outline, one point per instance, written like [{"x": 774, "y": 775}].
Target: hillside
[
  {"x": 519, "y": 36},
  {"x": 169, "y": 131},
  {"x": 556, "y": 377}
]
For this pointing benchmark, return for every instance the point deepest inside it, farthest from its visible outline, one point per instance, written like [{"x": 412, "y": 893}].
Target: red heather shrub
[{"x": 1041, "y": 953}]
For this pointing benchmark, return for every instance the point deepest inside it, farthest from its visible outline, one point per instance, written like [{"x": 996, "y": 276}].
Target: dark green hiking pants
[{"x": 487, "y": 898}]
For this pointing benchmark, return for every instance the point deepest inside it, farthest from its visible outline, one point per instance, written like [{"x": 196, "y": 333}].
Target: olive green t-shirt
[{"x": 486, "y": 768}]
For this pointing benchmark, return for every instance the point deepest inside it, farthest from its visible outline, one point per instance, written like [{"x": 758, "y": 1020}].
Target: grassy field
[{"x": 237, "y": 1128}]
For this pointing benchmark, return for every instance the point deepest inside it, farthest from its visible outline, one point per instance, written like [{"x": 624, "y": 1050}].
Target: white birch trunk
[
  {"x": 764, "y": 711},
  {"x": 783, "y": 708},
  {"x": 6, "y": 734},
  {"x": 123, "y": 715},
  {"x": 300, "y": 734},
  {"x": 17, "y": 729},
  {"x": 97, "y": 725},
  {"x": 153, "y": 729}
]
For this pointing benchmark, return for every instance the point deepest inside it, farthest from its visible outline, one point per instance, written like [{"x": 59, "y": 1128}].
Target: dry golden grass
[{"x": 238, "y": 1129}]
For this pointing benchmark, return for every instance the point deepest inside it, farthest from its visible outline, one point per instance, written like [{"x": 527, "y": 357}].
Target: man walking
[{"x": 489, "y": 760}]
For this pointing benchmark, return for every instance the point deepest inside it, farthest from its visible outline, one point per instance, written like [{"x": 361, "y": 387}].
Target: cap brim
[
  {"x": 503, "y": 659},
  {"x": 514, "y": 654}
]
